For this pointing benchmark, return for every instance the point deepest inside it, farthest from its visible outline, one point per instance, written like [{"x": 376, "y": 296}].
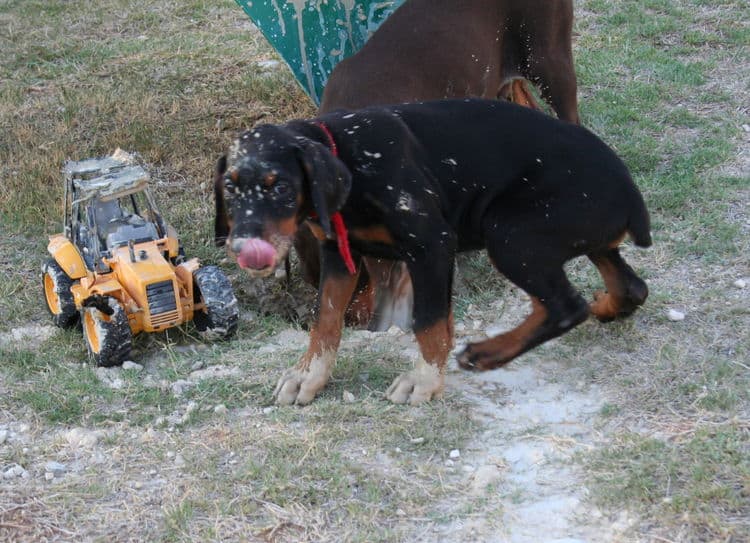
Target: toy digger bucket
[{"x": 312, "y": 36}]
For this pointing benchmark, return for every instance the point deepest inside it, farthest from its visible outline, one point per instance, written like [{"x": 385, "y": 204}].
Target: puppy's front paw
[
  {"x": 420, "y": 385},
  {"x": 302, "y": 383}
]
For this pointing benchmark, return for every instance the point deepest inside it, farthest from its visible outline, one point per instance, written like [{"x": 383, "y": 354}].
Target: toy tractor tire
[
  {"x": 108, "y": 337},
  {"x": 220, "y": 315},
  {"x": 60, "y": 303}
]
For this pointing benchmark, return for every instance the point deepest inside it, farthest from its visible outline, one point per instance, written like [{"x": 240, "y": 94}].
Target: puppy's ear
[
  {"x": 327, "y": 180},
  {"x": 221, "y": 224}
]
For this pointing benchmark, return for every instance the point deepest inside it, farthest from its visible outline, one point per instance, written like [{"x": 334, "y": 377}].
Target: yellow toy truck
[{"x": 118, "y": 267}]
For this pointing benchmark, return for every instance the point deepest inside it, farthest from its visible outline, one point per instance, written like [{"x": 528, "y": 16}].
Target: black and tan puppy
[{"x": 417, "y": 183}]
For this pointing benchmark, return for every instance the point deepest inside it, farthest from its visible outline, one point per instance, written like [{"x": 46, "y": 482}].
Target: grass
[{"x": 659, "y": 80}]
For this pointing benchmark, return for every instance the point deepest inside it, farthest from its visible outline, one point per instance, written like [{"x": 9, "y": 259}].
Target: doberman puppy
[
  {"x": 416, "y": 183},
  {"x": 434, "y": 49}
]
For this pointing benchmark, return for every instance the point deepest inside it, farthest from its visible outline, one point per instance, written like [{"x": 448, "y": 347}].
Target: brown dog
[{"x": 433, "y": 49}]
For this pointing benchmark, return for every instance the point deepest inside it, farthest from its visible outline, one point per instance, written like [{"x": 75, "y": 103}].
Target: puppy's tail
[{"x": 639, "y": 224}]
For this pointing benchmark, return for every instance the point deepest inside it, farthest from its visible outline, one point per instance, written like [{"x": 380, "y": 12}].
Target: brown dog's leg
[
  {"x": 625, "y": 290},
  {"x": 521, "y": 95},
  {"x": 556, "y": 78},
  {"x": 394, "y": 296},
  {"x": 301, "y": 383}
]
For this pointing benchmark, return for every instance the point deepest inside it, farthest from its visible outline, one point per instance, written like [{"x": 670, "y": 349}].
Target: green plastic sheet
[{"x": 312, "y": 36}]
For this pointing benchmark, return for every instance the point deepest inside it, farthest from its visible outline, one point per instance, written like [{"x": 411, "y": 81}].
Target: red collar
[{"x": 342, "y": 236}]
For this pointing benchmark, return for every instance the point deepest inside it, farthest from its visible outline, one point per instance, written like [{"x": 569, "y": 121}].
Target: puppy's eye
[
  {"x": 228, "y": 185},
  {"x": 282, "y": 189}
]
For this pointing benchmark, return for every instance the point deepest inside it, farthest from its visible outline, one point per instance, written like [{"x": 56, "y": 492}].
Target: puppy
[{"x": 417, "y": 183}]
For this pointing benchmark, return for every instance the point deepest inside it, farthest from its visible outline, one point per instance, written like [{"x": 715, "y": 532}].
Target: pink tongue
[{"x": 256, "y": 254}]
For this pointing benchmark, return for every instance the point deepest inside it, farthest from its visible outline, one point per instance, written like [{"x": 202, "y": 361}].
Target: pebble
[
  {"x": 268, "y": 410},
  {"x": 130, "y": 365},
  {"x": 484, "y": 477},
  {"x": 179, "y": 461},
  {"x": 14, "y": 472},
  {"x": 3, "y": 436},
  {"x": 455, "y": 453},
  {"x": 746, "y": 127},
  {"x": 179, "y": 387},
  {"x": 417, "y": 440},
  {"x": 81, "y": 438},
  {"x": 740, "y": 283},
  {"x": 55, "y": 468},
  {"x": 675, "y": 316},
  {"x": 268, "y": 64},
  {"x": 348, "y": 397},
  {"x": 48, "y": 475},
  {"x": 197, "y": 366},
  {"x": 221, "y": 409}
]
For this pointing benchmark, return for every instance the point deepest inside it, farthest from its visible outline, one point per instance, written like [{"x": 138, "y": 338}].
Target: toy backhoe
[{"x": 118, "y": 267}]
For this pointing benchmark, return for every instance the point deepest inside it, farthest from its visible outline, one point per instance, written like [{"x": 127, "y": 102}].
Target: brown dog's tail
[{"x": 639, "y": 224}]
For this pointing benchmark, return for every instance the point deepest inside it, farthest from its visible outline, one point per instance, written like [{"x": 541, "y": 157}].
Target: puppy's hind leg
[{"x": 556, "y": 306}]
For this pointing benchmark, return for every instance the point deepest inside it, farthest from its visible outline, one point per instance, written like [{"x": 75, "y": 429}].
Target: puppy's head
[{"x": 271, "y": 181}]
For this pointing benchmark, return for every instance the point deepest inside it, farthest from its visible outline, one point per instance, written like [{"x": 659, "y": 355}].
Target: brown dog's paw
[
  {"x": 420, "y": 385},
  {"x": 300, "y": 384}
]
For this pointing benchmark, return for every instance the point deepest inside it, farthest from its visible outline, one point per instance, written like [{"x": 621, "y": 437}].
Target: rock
[
  {"x": 81, "y": 438},
  {"x": 494, "y": 330},
  {"x": 268, "y": 64},
  {"x": 455, "y": 453},
  {"x": 221, "y": 409},
  {"x": 199, "y": 365},
  {"x": 348, "y": 397},
  {"x": 3, "y": 436},
  {"x": 14, "y": 472},
  {"x": 179, "y": 461},
  {"x": 180, "y": 386},
  {"x": 214, "y": 372},
  {"x": 675, "y": 316},
  {"x": 48, "y": 475},
  {"x": 740, "y": 283},
  {"x": 55, "y": 468},
  {"x": 130, "y": 365},
  {"x": 484, "y": 477},
  {"x": 110, "y": 377},
  {"x": 417, "y": 440}
]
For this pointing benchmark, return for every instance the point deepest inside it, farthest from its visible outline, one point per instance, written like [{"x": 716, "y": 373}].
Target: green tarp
[{"x": 312, "y": 36}]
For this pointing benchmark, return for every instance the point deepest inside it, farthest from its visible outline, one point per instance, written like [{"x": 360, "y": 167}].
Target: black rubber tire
[
  {"x": 108, "y": 338},
  {"x": 58, "y": 297},
  {"x": 219, "y": 318}
]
